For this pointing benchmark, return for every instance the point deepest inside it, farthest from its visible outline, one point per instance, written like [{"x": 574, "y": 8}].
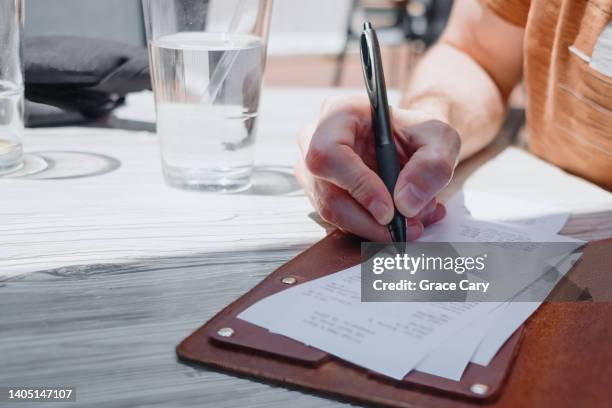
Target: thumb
[{"x": 424, "y": 175}]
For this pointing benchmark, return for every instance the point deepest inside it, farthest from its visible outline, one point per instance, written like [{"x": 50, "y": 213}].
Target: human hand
[{"x": 337, "y": 168}]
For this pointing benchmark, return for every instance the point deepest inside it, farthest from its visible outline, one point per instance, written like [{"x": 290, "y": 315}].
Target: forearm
[{"x": 450, "y": 86}]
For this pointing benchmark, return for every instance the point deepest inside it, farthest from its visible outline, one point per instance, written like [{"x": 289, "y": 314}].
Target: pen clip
[{"x": 369, "y": 62}]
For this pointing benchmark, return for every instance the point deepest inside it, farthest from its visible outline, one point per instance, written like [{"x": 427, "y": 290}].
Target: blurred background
[{"x": 312, "y": 42}]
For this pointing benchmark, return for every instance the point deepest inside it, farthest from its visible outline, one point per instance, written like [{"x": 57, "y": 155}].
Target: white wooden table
[{"x": 97, "y": 296}]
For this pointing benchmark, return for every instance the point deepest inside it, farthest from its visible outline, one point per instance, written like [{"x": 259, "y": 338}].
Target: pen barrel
[
  {"x": 388, "y": 165},
  {"x": 389, "y": 169}
]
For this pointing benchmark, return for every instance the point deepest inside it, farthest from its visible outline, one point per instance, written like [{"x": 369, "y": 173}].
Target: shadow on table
[
  {"x": 62, "y": 165},
  {"x": 273, "y": 181}
]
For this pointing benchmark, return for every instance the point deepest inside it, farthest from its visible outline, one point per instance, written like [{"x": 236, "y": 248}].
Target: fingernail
[
  {"x": 410, "y": 200},
  {"x": 381, "y": 211},
  {"x": 414, "y": 229}
]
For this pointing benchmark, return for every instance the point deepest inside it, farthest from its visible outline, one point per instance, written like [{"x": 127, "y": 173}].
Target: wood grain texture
[{"x": 110, "y": 330}]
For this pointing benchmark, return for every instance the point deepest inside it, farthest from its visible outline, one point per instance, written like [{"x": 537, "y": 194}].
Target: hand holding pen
[{"x": 338, "y": 168}]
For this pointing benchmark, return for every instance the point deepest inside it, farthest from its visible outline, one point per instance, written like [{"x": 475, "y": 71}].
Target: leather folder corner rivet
[
  {"x": 289, "y": 280},
  {"x": 226, "y": 332},
  {"x": 479, "y": 389}
]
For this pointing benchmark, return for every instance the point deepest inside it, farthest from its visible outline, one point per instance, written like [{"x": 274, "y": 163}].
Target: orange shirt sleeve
[{"x": 513, "y": 11}]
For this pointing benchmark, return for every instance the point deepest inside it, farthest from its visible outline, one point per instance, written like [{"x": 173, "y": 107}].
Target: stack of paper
[{"x": 435, "y": 338}]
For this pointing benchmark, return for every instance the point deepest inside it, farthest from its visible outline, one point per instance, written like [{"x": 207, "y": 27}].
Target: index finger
[{"x": 331, "y": 156}]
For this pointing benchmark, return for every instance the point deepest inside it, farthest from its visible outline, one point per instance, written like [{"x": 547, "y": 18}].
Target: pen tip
[{"x": 367, "y": 25}]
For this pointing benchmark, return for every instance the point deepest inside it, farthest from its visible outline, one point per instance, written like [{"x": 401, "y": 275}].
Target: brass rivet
[
  {"x": 226, "y": 332},
  {"x": 479, "y": 389},
  {"x": 289, "y": 280}
]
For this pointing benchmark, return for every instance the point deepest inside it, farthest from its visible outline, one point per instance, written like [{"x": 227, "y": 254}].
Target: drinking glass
[
  {"x": 207, "y": 62},
  {"x": 11, "y": 85}
]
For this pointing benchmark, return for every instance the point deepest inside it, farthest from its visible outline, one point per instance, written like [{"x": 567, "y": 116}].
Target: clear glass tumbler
[
  {"x": 11, "y": 85},
  {"x": 207, "y": 63}
]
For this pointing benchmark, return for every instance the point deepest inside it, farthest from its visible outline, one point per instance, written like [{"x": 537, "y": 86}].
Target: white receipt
[{"x": 389, "y": 338}]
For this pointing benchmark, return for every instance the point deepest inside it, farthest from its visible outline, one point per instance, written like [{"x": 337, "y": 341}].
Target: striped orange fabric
[{"x": 569, "y": 105}]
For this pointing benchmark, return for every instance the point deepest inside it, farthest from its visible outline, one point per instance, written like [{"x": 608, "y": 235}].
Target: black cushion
[{"x": 90, "y": 76}]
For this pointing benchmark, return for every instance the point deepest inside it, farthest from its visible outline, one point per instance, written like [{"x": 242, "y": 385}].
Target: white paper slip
[
  {"x": 390, "y": 339},
  {"x": 268, "y": 310},
  {"x": 493, "y": 207},
  {"x": 450, "y": 359},
  {"x": 468, "y": 229},
  {"x": 511, "y": 317},
  {"x": 506, "y": 323}
]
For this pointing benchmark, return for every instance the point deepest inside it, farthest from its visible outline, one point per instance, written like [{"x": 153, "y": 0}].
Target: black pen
[{"x": 386, "y": 154}]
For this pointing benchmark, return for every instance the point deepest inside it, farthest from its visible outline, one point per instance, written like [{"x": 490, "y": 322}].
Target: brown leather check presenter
[{"x": 565, "y": 358}]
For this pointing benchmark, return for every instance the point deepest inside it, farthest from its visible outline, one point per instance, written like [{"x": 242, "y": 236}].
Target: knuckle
[
  {"x": 361, "y": 188},
  {"x": 352, "y": 106},
  {"x": 326, "y": 204},
  {"x": 329, "y": 102},
  {"x": 318, "y": 160},
  {"x": 327, "y": 211},
  {"x": 342, "y": 105}
]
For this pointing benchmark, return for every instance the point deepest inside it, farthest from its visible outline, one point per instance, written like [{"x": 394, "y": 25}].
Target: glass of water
[
  {"x": 207, "y": 63},
  {"x": 11, "y": 85}
]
